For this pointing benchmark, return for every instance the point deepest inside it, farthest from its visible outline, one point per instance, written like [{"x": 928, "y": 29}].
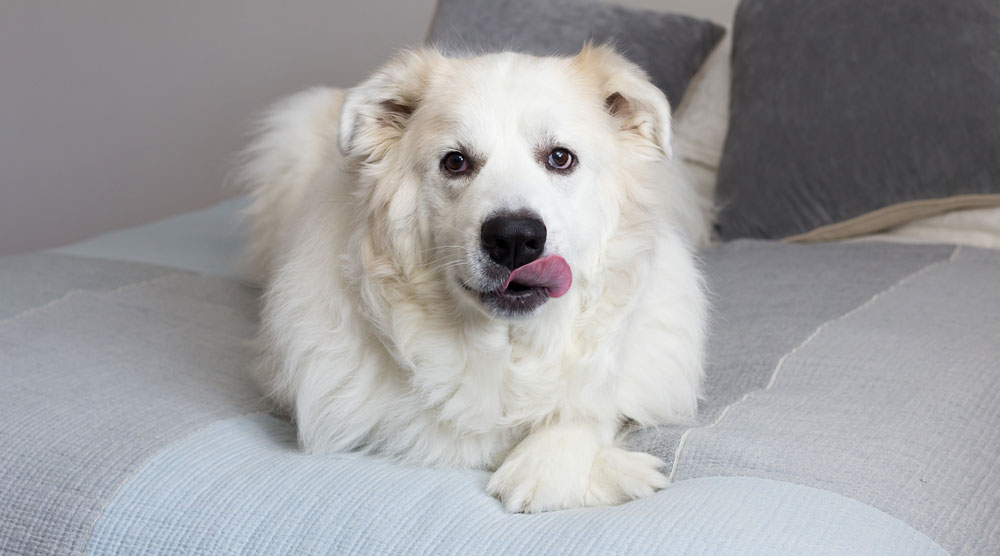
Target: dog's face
[
  {"x": 499, "y": 176},
  {"x": 512, "y": 153}
]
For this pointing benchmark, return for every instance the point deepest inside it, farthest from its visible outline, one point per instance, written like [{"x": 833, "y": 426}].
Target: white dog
[{"x": 494, "y": 270}]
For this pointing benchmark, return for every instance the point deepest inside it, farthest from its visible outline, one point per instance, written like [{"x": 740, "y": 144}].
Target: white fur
[{"x": 369, "y": 342}]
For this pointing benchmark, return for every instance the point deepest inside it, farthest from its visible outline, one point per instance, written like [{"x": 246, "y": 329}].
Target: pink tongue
[{"x": 551, "y": 273}]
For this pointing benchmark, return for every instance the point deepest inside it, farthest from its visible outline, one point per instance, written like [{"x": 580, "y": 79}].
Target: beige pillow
[{"x": 701, "y": 121}]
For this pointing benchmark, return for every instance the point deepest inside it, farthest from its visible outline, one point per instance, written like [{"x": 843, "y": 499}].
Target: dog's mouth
[
  {"x": 527, "y": 287},
  {"x": 518, "y": 300}
]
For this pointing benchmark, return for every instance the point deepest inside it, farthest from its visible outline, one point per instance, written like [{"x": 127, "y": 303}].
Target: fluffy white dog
[{"x": 494, "y": 270}]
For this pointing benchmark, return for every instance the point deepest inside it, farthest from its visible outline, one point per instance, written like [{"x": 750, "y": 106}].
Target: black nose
[{"x": 513, "y": 241}]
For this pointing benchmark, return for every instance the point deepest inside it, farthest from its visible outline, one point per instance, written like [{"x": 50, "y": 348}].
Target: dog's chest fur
[
  {"x": 477, "y": 387},
  {"x": 370, "y": 336}
]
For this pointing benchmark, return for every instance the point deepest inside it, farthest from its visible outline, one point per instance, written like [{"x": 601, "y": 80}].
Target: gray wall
[{"x": 117, "y": 112}]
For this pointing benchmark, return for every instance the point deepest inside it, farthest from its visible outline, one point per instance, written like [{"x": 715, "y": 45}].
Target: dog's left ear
[
  {"x": 375, "y": 113},
  {"x": 640, "y": 107}
]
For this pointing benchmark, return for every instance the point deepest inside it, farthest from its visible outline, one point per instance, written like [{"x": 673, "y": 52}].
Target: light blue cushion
[
  {"x": 241, "y": 486},
  {"x": 207, "y": 240}
]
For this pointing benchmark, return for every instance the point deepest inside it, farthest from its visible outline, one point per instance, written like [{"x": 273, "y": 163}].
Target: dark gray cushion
[
  {"x": 850, "y": 116},
  {"x": 670, "y": 47}
]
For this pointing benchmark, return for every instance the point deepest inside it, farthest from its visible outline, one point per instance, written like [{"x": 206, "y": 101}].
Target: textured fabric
[
  {"x": 95, "y": 381},
  {"x": 241, "y": 487},
  {"x": 32, "y": 281},
  {"x": 769, "y": 297},
  {"x": 207, "y": 240},
  {"x": 854, "y": 384},
  {"x": 893, "y": 404},
  {"x": 841, "y": 108},
  {"x": 670, "y": 47}
]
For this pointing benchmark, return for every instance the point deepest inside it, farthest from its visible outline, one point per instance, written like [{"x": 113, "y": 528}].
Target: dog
[{"x": 481, "y": 262}]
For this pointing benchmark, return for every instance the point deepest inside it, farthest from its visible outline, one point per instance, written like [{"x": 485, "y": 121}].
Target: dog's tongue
[{"x": 551, "y": 273}]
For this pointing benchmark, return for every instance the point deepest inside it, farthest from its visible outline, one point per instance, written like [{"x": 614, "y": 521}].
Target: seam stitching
[
  {"x": 781, "y": 362},
  {"x": 77, "y": 291}
]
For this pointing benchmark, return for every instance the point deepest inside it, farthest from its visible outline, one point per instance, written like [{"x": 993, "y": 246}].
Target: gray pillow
[
  {"x": 851, "y": 116},
  {"x": 669, "y": 47}
]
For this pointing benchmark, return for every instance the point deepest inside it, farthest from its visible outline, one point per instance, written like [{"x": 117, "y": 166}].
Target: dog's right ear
[{"x": 375, "y": 112}]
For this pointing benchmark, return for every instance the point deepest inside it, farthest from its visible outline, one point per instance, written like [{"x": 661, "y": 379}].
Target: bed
[{"x": 851, "y": 408}]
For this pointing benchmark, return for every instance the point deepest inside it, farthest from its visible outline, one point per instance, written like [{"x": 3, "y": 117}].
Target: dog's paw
[
  {"x": 531, "y": 482},
  {"x": 618, "y": 476}
]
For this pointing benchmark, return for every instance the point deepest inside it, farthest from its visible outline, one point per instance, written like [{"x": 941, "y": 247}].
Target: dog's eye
[
  {"x": 455, "y": 163},
  {"x": 560, "y": 159}
]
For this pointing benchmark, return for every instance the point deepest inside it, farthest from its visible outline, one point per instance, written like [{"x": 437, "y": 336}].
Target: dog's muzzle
[{"x": 515, "y": 243}]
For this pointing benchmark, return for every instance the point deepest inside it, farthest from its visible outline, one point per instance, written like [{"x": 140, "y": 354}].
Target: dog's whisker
[
  {"x": 445, "y": 266},
  {"x": 441, "y": 247}
]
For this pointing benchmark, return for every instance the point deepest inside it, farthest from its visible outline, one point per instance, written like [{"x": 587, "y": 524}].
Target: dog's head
[{"x": 501, "y": 178}]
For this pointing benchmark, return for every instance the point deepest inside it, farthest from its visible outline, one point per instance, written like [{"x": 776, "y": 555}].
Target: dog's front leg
[{"x": 570, "y": 465}]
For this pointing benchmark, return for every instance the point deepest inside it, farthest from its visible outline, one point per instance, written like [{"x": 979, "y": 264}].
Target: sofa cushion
[
  {"x": 670, "y": 47},
  {"x": 852, "y": 116}
]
